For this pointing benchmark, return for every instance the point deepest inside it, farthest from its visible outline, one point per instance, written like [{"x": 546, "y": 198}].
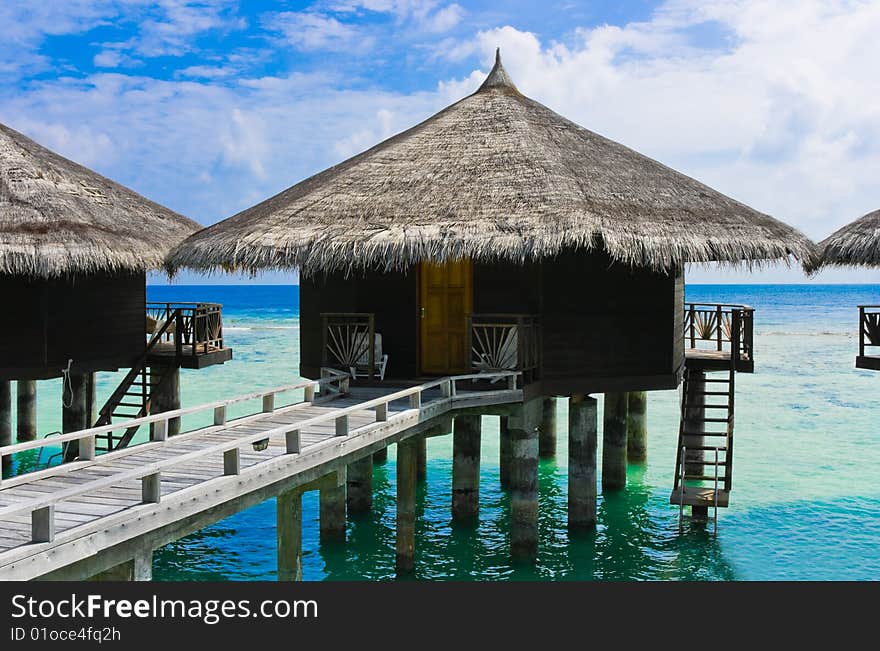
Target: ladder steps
[
  {"x": 721, "y": 478},
  {"x": 710, "y": 420},
  {"x": 712, "y": 393},
  {"x": 690, "y": 406},
  {"x": 700, "y": 434},
  {"x": 716, "y": 380}
]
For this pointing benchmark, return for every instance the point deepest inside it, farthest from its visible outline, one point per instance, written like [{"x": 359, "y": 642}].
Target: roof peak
[{"x": 498, "y": 77}]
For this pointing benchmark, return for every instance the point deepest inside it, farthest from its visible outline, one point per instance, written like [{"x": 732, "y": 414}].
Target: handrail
[
  {"x": 337, "y": 415},
  {"x": 167, "y": 415}
]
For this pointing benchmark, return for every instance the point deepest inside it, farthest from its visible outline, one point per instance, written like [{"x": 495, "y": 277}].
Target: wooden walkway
[{"x": 92, "y": 513}]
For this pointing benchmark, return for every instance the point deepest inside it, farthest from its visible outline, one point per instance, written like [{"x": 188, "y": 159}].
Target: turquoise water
[{"x": 806, "y": 499}]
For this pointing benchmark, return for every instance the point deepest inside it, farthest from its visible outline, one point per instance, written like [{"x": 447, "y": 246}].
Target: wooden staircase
[
  {"x": 133, "y": 397},
  {"x": 704, "y": 462}
]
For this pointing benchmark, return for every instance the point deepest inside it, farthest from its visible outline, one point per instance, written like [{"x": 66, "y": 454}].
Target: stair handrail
[{"x": 106, "y": 412}]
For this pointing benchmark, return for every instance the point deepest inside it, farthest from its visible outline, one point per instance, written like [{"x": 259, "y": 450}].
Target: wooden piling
[
  {"x": 637, "y": 427},
  {"x": 380, "y": 456},
  {"x": 167, "y": 397},
  {"x": 74, "y": 409},
  {"x": 6, "y": 418},
  {"x": 142, "y": 566},
  {"x": 583, "y": 428},
  {"x": 359, "y": 495},
  {"x": 421, "y": 458},
  {"x": 504, "y": 449},
  {"x": 466, "y": 468},
  {"x": 523, "y": 433},
  {"x": 26, "y": 410},
  {"x": 614, "y": 441},
  {"x": 332, "y": 511},
  {"x": 406, "y": 505},
  {"x": 547, "y": 431},
  {"x": 288, "y": 509}
]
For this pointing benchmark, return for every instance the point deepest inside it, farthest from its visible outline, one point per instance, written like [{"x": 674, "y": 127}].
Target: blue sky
[{"x": 211, "y": 106}]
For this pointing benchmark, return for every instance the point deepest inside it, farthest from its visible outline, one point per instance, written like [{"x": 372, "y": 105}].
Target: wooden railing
[
  {"x": 349, "y": 341},
  {"x": 42, "y": 509},
  {"x": 195, "y": 325},
  {"x": 506, "y": 342},
  {"x": 869, "y": 327},
  {"x": 721, "y": 327}
]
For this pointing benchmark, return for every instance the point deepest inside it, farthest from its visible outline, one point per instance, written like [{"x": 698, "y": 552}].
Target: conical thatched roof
[
  {"x": 60, "y": 218},
  {"x": 495, "y": 175},
  {"x": 857, "y": 243}
]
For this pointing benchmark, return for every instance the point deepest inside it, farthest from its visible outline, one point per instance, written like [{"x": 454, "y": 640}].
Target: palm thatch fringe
[
  {"x": 59, "y": 218},
  {"x": 494, "y": 176},
  {"x": 857, "y": 243}
]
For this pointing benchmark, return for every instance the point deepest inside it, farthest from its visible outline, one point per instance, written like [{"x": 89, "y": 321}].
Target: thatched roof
[
  {"x": 857, "y": 243},
  {"x": 60, "y": 218},
  {"x": 495, "y": 175}
]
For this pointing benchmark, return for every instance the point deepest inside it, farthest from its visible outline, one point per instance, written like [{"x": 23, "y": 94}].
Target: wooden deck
[
  {"x": 166, "y": 352},
  {"x": 870, "y": 362},
  {"x": 716, "y": 360},
  {"x": 90, "y": 515}
]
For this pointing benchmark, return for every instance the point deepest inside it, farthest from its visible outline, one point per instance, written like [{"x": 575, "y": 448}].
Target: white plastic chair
[{"x": 362, "y": 365}]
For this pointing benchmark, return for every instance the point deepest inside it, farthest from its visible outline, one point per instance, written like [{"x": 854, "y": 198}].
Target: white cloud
[{"x": 314, "y": 31}]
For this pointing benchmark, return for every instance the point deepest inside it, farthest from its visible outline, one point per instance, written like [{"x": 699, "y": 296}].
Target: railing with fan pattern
[
  {"x": 349, "y": 341},
  {"x": 198, "y": 327},
  {"x": 869, "y": 327},
  {"x": 720, "y": 327},
  {"x": 506, "y": 342}
]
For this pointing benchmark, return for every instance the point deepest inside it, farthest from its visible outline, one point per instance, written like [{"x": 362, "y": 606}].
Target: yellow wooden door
[{"x": 445, "y": 300}]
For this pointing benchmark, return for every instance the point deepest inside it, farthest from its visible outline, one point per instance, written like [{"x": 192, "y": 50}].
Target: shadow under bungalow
[{"x": 498, "y": 235}]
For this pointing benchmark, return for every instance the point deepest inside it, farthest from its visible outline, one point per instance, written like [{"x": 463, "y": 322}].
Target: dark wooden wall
[
  {"x": 392, "y": 297},
  {"x": 605, "y": 327},
  {"x": 97, "y": 321}
]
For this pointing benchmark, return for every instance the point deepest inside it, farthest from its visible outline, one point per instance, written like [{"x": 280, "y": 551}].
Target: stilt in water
[
  {"x": 614, "y": 441},
  {"x": 331, "y": 501},
  {"x": 523, "y": 433},
  {"x": 504, "y": 448},
  {"x": 359, "y": 495},
  {"x": 407, "y": 453},
  {"x": 6, "y": 418},
  {"x": 288, "y": 508},
  {"x": 142, "y": 566},
  {"x": 637, "y": 427},
  {"x": 167, "y": 396},
  {"x": 696, "y": 425},
  {"x": 26, "y": 410},
  {"x": 380, "y": 456},
  {"x": 582, "y": 443},
  {"x": 74, "y": 409},
  {"x": 421, "y": 458},
  {"x": 466, "y": 468},
  {"x": 547, "y": 432}
]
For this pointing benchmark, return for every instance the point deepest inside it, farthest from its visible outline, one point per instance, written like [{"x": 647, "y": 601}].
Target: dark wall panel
[{"x": 97, "y": 321}]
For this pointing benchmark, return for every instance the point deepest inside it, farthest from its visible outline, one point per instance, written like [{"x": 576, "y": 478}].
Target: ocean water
[{"x": 806, "y": 499}]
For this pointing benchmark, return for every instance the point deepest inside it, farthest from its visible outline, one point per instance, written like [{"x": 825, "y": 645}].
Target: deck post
[
  {"x": 73, "y": 409},
  {"x": 523, "y": 434},
  {"x": 466, "y": 468},
  {"x": 288, "y": 507},
  {"x": 6, "y": 418},
  {"x": 380, "y": 456},
  {"x": 26, "y": 400},
  {"x": 614, "y": 441},
  {"x": 167, "y": 396},
  {"x": 583, "y": 426},
  {"x": 547, "y": 436},
  {"x": 142, "y": 565},
  {"x": 637, "y": 427},
  {"x": 406, "y": 505},
  {"x": 332, "y": 509},
  {"x": 504, "y": 450},
  {"x": 421, "y": 458},
  {"x": 91, "y": 399},
  {"x": 359, "y": 494},
  {"x": 694, "y": 413}
]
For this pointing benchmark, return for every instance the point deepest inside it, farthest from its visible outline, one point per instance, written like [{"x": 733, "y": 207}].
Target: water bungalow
[
  {"x": 488, "y": 261},
  {"x": 858, "y": 244},
  {"x": 74, "y": 251}
]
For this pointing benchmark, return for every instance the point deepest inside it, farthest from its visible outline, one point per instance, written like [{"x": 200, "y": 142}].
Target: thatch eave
[{"x": 856, "y": 244}]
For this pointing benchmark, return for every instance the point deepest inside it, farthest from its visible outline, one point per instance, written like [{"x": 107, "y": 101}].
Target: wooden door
[{"x": 445, "y": 299}]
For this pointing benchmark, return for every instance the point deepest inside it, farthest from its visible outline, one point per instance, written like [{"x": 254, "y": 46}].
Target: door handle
[{"x": 423, "y": 312}]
